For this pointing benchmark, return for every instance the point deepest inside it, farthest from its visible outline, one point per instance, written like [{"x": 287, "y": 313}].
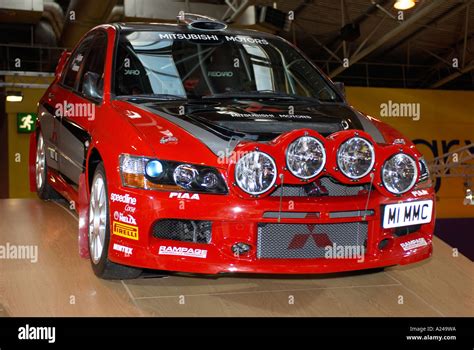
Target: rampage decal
[
  {"x": 182, "y": 251},
  {"x": 124, "y": 230},
  {"x": 414, "y": 243}
]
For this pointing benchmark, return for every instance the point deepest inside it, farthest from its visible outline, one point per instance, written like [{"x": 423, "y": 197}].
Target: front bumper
[{"x": 236, "y": 220}]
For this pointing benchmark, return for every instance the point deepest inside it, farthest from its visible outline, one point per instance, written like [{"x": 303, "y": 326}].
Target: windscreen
[{"x": 194, "y": 65}]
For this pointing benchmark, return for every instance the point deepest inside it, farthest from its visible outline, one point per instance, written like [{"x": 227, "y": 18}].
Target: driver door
[{"x": 85, "y": 100}]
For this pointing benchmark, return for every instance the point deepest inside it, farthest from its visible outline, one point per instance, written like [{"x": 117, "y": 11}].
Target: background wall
[
  {"x": 446, "y": 122},
  {"x": 18, "y": 144}
]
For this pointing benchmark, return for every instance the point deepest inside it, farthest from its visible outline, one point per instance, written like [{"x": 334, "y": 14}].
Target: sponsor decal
[
  {"x": 419, "y": 193},
  {"x": 246, "y": 39},
  {"x": 37, "y": 333},
  {"x": 183, "y": 251},
  {"x": 130, "y": 209},
  {"x": 414, "y": 243},
  {"x": 123, "y": 198},
  {"x": 123, "y": 249},
  {"x": 186, "y": 36},
  {"x": 398, "y": 142},
  {"x": 212, "y": 37},
  {"x": 180, "y": 195},
  {"x": 132, "y": 72},
  {"x": 220, "y": 74},
  {"x": 125, "y": 218},
  {"x": 268, "y": 116},
  {"x": 168, "y": 139},
  {"x": 124, "y": 230}
]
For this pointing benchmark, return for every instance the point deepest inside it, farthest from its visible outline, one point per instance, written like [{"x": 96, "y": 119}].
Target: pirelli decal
[{"x": 124, "y": 230}]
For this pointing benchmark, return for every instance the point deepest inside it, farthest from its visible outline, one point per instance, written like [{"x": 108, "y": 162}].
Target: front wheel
[{"x": 99, "y": 232}]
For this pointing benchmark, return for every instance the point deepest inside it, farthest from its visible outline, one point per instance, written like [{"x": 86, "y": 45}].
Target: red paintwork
[{"x": 235, "y": 215}]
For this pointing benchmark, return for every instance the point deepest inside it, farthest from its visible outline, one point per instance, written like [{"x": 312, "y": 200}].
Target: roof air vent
[{"x": 200, "y": 22}]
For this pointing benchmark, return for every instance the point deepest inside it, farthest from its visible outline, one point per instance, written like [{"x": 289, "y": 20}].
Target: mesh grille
[
  {"x": 329, "y": 188},
  {"x": 307, "y": 241},
  {"x": 183, "y": 230}
]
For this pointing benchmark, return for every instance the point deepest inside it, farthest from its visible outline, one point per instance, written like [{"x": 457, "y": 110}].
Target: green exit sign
[{"x": 26, "y": 122}]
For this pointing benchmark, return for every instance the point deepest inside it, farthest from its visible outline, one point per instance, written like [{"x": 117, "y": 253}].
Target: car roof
[{"x": 182, "y": 28}]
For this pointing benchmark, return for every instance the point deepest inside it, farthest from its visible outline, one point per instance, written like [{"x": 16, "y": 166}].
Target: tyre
[
  {"x": 43, "y": 188},
  {"x": 99, "y": 232}
]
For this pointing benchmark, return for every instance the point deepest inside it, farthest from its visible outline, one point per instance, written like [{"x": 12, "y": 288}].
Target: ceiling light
[
  {"x": 404, "y": 4},
  {"x": 14, "y": 96}
]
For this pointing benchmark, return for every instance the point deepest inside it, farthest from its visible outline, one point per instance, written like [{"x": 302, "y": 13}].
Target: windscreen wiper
[
  {"x": 261, "y": 94},
  {"x": 250, "y": 94},
  {"x": 159, "y": 97}
]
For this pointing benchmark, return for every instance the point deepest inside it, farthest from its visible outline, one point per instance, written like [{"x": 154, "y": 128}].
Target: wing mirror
[
  {"x": 62, "y": 62},
  {"x": 340, "y": 86},
  {"x": 92, "y": 85}
]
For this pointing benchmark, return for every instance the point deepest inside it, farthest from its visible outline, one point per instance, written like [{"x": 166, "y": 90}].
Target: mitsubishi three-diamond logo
[{"x": 299, "y": 240}]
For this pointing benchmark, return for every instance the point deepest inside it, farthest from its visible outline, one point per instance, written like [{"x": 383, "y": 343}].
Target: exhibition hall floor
[{"x": 60, "y": 283}]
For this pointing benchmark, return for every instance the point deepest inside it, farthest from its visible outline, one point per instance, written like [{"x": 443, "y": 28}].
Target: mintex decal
[
  {"x": 124, "y": 230},
  {"x": 121, "y": 248},
  {"x": 414, "y": 243},
  {"x": 182, "y": 251}
]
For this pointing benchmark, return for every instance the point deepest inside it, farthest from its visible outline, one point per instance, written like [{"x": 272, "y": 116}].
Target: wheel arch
[{"x": 92, "y": 161}]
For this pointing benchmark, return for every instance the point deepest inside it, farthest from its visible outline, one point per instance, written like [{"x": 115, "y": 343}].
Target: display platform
[{"x": 59, "y": 283}]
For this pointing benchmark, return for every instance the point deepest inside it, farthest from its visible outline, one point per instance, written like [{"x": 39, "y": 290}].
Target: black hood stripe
[
  {"x": 220, "y": 145},
  {"x": 216, "y": 144}
]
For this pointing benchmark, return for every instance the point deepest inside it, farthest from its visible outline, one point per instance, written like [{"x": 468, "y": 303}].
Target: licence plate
[{"x": 409, "y": 213}]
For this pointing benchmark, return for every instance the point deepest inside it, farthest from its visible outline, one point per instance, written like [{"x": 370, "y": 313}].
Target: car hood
[{"x": 222, "y": 124}]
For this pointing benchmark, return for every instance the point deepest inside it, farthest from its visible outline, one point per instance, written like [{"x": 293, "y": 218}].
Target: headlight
[
  {"x": 154, "y": 174},
  {"x": 305, "y": 157},
  {"x": 355, "y": 157},
  {"x": 154, "y": 168},
  {"x": 184, "y": 175},
  {"x": 399, "y": 173},
  {"x": 255, "y": 172}
]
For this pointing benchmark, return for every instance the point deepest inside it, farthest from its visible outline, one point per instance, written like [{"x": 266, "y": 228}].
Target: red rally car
[{"x": 196, "y": 148}]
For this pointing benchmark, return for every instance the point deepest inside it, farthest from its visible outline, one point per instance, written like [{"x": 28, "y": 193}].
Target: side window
[
  {"x": 76, "y": 62},
  {"x": 91, "y": 76}
]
